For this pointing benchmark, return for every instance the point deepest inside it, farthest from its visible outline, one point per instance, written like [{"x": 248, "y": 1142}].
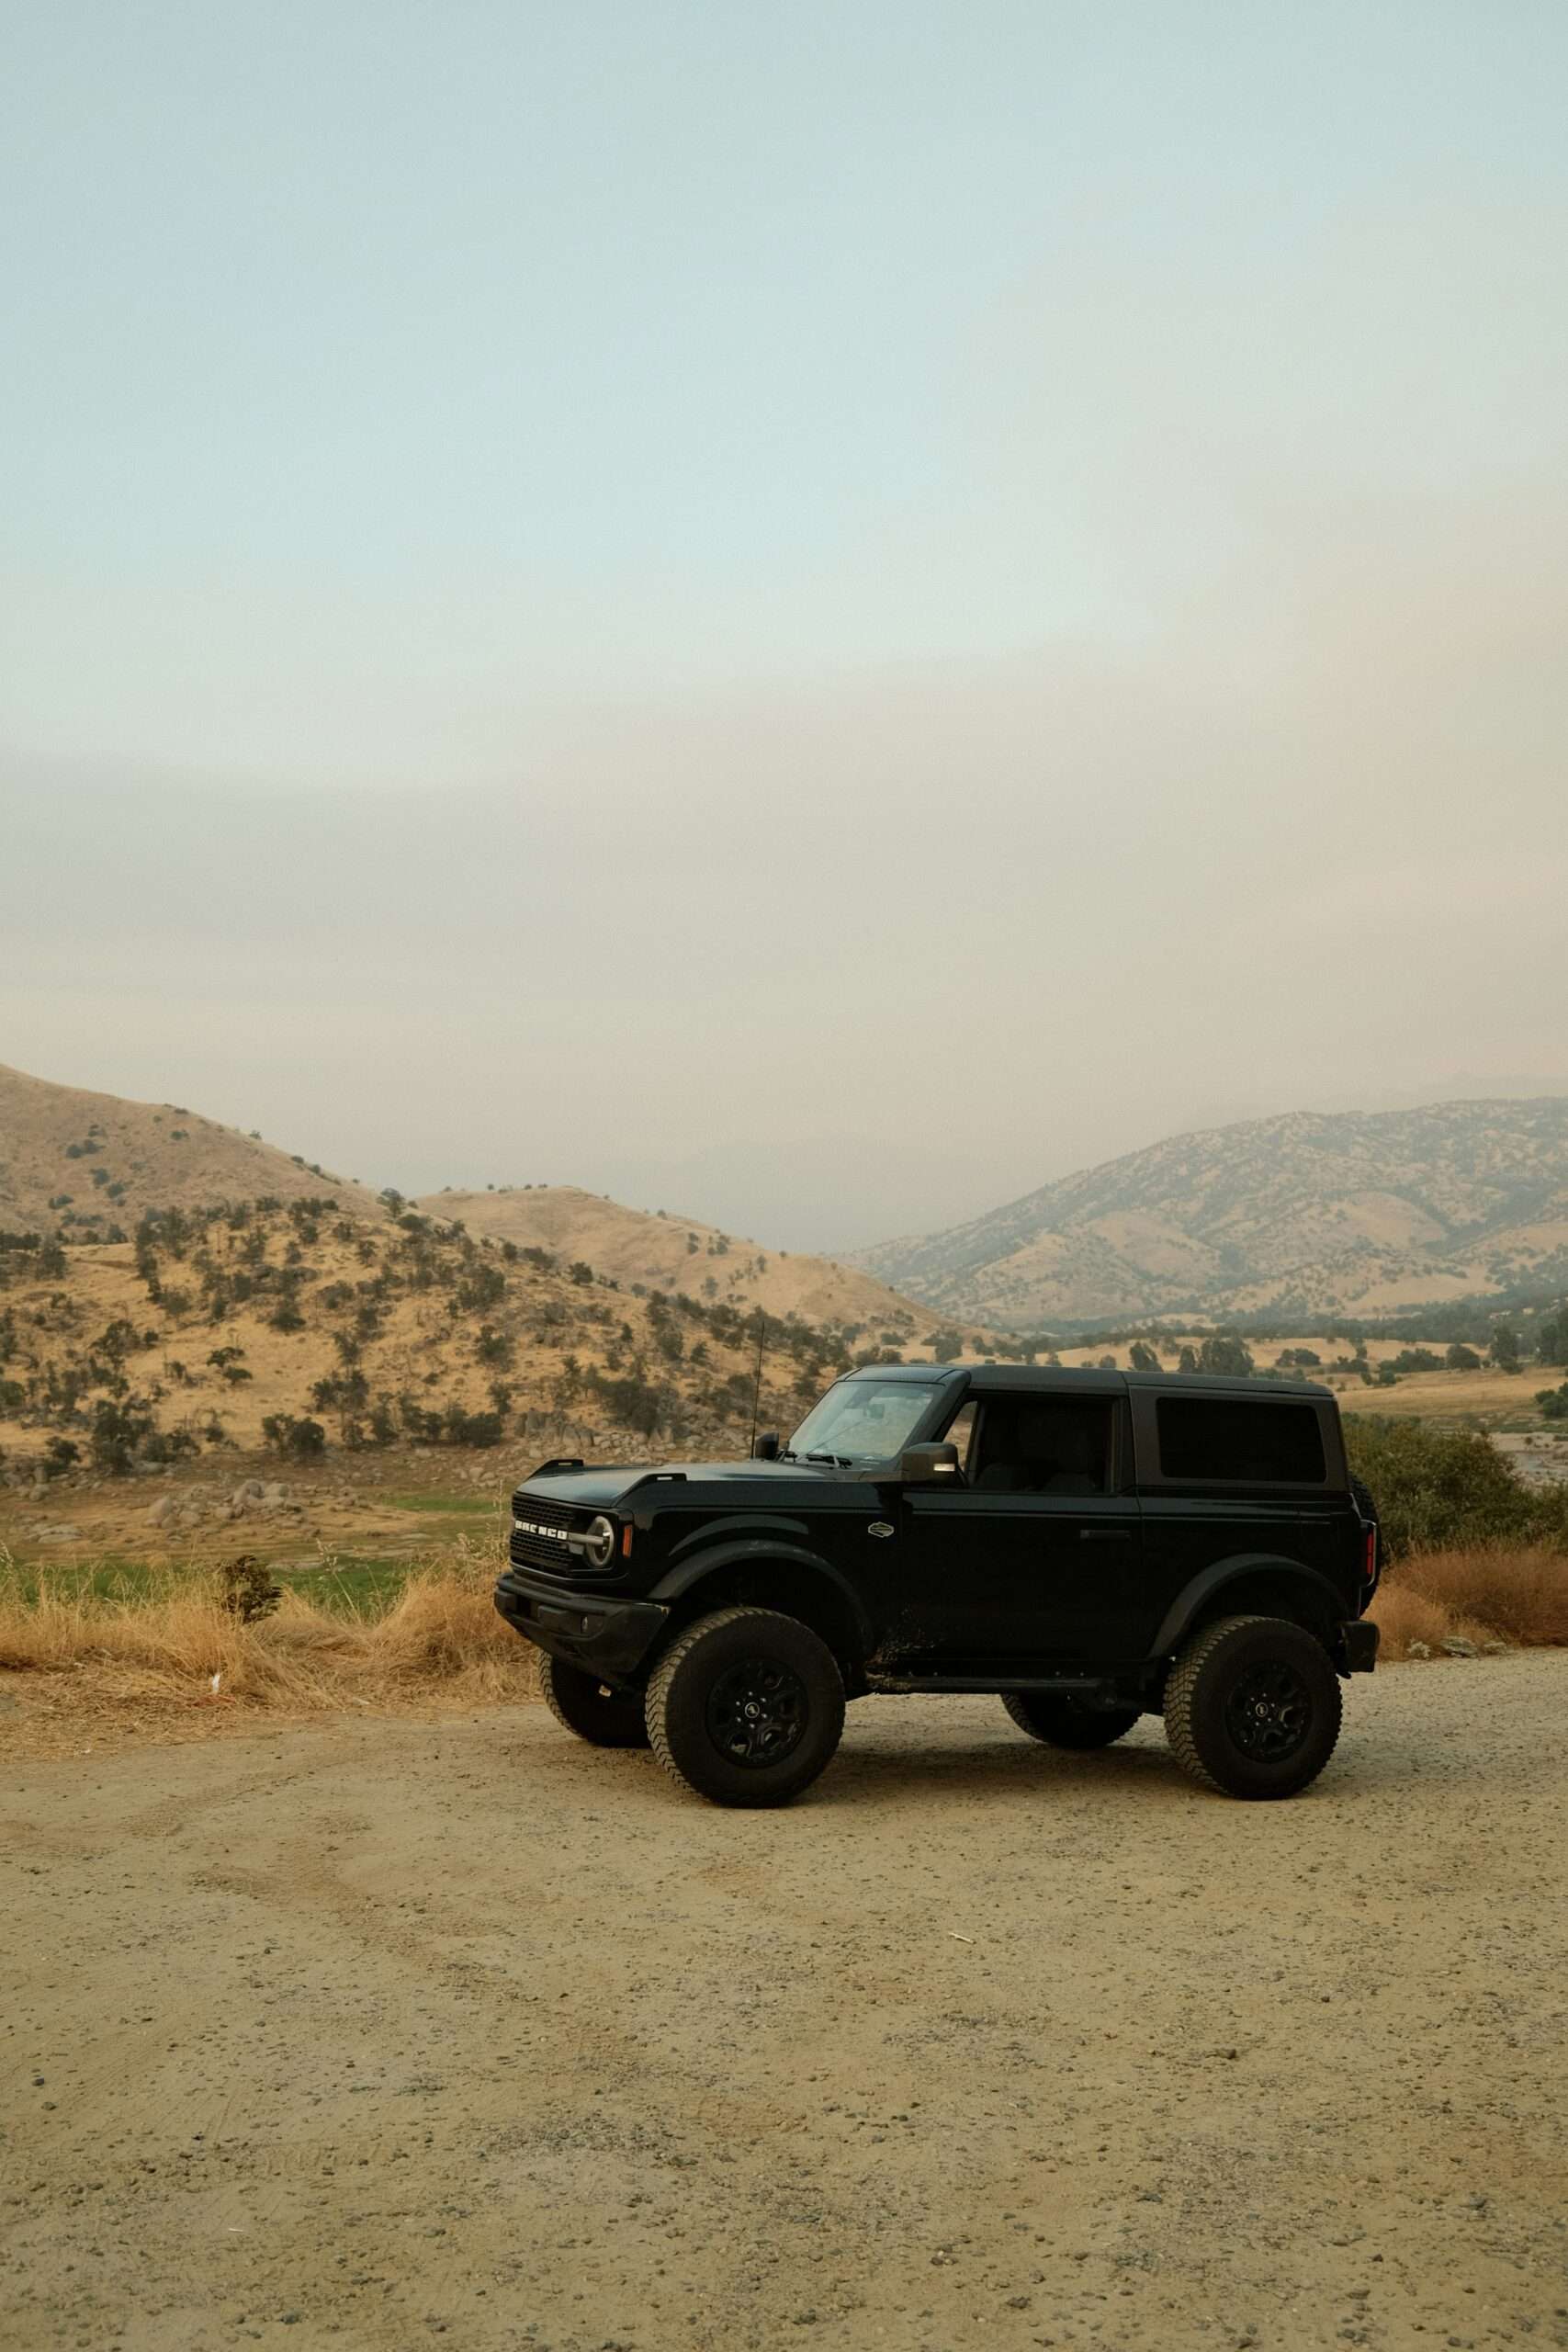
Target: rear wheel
[
  {"x": 1062, "y": 1723},
  {"x": 1252, "y": 1707},
  {"x": 581, "y": 1703},
  {"x": 746, "y": 1707}
]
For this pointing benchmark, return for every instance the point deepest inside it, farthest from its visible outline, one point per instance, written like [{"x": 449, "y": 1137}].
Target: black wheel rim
[
  {"x": 756, "y": 1712},
  {"x": 1268, "y": 1713}
]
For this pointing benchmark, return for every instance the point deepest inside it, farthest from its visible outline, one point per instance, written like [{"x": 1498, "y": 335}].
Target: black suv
[{"x": 1091, "y": 1545}]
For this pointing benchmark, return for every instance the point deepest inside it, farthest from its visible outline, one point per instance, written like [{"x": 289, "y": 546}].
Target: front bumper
[
  {"x": 601, "y": 1633},
  {"x": 1356, "y": 1651}
]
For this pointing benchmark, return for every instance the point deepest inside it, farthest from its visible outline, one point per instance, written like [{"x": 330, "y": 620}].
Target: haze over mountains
[
  {"x": 1305, "y": 1214},
  {"x": 1299, "y": 1215}
]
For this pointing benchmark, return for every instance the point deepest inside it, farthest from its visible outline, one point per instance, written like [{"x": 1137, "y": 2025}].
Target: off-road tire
[
  {"x": 1221, "y": 1737},
  {"x": 721, "y": 1667},
  {"x": 1362, "y": 1495},
  {"x": 1061, "y": 1723},
  {"x": 581, "y": 1703}
]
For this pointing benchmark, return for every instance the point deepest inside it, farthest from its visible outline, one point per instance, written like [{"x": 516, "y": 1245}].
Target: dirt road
[{"x": 363, "y": 2036}]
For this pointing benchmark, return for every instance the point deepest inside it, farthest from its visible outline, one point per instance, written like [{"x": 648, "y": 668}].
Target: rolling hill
[
  {"x": 170, "y": 1288},
  {"x": 679, "y": 1254},
  {"x": 382, "y": 1331},
  {"x": 82, "y": 1165},
  {"x": 1308, "y": 1214}
]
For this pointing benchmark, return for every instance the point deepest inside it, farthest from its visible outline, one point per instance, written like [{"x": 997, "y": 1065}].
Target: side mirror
[
  {"x": 766, "y": 1448},
  {"x": 931, "y": 1465}
]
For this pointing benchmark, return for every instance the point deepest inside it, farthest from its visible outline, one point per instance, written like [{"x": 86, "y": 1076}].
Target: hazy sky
[{"x": 812, "y": 614}]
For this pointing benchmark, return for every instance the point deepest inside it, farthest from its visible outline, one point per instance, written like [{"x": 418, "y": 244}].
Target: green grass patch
[
  {"x": 349, "y": 1587},
  {"x": 102, "y": 1579}
]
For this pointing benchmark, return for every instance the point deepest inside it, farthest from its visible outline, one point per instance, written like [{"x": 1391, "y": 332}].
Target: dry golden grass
[
  {"x": 1485, "y": 1397},
  {"x": 442, "y": 1634},
  {"x": 442, "y": 1643},
  {"x": 1487, "y": 1593}
]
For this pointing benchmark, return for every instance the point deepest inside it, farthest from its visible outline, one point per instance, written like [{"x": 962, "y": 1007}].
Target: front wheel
[
  {"x": 581, "y": 1703},
  {"x": 1062, "y": 1723},
  {"x": 1252, "y": 1707},
  {"x": 746, "y": 1707}
]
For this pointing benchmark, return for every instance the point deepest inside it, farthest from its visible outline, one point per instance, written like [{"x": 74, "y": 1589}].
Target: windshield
[{"x": 862, "y": 1421}]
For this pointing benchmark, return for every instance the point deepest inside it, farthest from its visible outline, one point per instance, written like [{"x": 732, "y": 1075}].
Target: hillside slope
[
  {"x": 81, "y": 1164},
  {"x": 1309, "y": 1213},
  {"x": 382, "y": 1332},
  {"x": 678, "y": 1254}
]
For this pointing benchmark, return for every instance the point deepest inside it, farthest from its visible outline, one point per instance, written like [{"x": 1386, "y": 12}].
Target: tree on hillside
[
  {"x": 1142, "y": 1357},
  {"x": 1552, "y": 1341},
  {"x": 1225, "y": 1352},
  {"x": 301, "y": 1438},
  {"x": 1462, "y": 1359},
  {"x": 1504, "y": 1349}
]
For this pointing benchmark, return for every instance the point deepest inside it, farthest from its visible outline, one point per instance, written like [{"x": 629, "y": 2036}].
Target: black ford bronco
[{"x": 1090, "y": 1545}]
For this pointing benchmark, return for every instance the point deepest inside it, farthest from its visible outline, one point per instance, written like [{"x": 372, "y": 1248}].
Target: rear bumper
[
  {"x": 603, "y": 1635},
  {"x": 1356, "y": 1649}
]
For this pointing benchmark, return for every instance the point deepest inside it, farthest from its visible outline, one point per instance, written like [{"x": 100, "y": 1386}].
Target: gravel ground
[{"x": 369, "y": 2034}]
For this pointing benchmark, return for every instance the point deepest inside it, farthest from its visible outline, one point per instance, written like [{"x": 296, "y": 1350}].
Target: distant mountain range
[
  {"x": 1302, "y": 1215},
  {"x": 86, "y": 1167},
  {"x": 1306, "y": 1215}
]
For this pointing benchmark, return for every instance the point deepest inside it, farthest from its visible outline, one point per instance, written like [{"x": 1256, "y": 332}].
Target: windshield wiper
[{"x": 839, "y": 1461}]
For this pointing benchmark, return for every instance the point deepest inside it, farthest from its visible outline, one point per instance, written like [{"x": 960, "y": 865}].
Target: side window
[
  {"x": 960, "y": 1431},
  {"x": 1222, "y": 1437},
  {"x": 1043, "y": 1445}
]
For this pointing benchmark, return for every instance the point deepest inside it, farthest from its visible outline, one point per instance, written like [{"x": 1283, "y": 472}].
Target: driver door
[{"x": 1034, "y": 1558}]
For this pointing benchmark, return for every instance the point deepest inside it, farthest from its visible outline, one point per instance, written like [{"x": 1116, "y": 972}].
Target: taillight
[{"x": 1371, "y": 1568}]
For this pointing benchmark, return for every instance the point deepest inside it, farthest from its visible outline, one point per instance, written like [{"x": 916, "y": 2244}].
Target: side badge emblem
[{"x": 879, "y": 1527}]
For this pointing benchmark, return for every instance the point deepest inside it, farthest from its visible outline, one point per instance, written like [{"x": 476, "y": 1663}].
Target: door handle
[{"x": 1105, "y": 1536}]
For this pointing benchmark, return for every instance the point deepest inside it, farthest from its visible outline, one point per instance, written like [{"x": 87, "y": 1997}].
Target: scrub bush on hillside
[{"x": 1439, "y": 1489}]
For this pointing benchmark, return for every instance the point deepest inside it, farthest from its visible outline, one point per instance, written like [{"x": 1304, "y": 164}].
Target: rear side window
[{"x": 1223, "y": 1438}]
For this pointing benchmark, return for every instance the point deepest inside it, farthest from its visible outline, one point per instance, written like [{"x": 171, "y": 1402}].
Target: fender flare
[
  {"x": 705, "y": 1562},
  {"x": 1327, "y": 1604},
  {"x": 737, "y": 1526}
]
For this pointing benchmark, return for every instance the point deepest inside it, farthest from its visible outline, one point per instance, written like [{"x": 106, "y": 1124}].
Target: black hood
[{"x": 600, "y": 1485}]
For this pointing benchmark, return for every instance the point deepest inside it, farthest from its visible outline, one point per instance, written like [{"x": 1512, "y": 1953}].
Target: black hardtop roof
[{"x": 984, "y": 1376}]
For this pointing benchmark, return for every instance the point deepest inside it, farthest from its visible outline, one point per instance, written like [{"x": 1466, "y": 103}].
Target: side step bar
[{"x": 1097, "y": 1688}]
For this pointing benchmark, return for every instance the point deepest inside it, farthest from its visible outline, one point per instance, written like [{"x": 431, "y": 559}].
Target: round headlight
[{"x": 599, "y": 1543}]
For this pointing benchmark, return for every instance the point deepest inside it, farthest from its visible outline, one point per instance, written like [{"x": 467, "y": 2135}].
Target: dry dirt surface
[{"x": 373, "y": 2034}]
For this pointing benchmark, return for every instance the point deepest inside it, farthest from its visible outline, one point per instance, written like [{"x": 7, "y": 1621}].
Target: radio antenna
[{"x": 757, "y": 1385}]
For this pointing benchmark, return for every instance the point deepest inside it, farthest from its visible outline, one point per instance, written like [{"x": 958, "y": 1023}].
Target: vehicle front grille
[{"x": 539, "y": 1531}]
